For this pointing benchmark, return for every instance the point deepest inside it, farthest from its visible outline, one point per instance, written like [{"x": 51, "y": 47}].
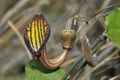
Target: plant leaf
[
  {"x": 113, "y": 26},
  {"x": 36, "y": 71}
]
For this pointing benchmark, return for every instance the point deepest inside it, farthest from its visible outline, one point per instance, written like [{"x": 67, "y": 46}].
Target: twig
[
  {"x": 12, "y": 11},
  {"x": 100, "y": 64},
  {"x": 103, "y": 6},
  {"x": 114, "y": 58},
  {"x": 69, "y": 61},
  {"x": 81, "y": 68},
  {"x": 20, "y": 37},
  {"x": 71, "y": 67},
  {"x": 106, "y": 46},
  {"x": 115, "y": 77}
]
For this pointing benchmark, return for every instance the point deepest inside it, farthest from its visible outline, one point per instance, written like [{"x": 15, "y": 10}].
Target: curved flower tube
[
  {"x": 68, "y": 37},
  {"x": 52, "y": 63},
  {"x": 36, "y": 36}
]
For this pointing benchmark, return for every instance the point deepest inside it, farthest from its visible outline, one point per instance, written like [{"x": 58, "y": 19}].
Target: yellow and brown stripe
[{"x": 37, "y": 34}]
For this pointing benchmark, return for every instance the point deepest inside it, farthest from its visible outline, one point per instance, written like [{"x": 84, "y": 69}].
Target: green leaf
[
  {"x": 113, "y": 26},
  {"x": 36, "y": 71}
]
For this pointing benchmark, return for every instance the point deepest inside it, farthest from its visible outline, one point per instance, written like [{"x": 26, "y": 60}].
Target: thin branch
[
  {"x": 106, "y": 46},
  {"x": 12, "y": 26},
  {"x": 115, "y": 58},
  {"x": 69, "y": 61},
  {"x": 115, "y": 77},
  {"x": 81, "y": 68},
  {"x": 72, "y": 66},
  {"x": 12, "y": 11},
  {"x": 100, "y": 64}
]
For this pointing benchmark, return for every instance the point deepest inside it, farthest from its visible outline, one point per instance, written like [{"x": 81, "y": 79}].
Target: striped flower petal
[{"x": 36, "y": 34}]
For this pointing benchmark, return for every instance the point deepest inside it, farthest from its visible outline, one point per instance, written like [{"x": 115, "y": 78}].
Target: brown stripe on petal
[
  {"x": 39, "y": 25},
  {"x": 33, "y": 35},
  {"x": 45, "y": 29},
  {"x": 30, "y": 25},
  {"x": 36, "y": 34},
  {"x": 42, "y": 33}
]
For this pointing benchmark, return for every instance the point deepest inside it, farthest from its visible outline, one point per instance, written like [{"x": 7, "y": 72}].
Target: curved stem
[
  {"x": 52, "y": 63},
  {"x": 68, "y": 38}
]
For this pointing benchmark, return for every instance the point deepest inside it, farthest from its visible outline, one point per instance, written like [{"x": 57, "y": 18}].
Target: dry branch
[
  {"x": 13, "y": 27},
  {"x": 12, "y": 11},
  {"x": 100, "y": 64}
]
